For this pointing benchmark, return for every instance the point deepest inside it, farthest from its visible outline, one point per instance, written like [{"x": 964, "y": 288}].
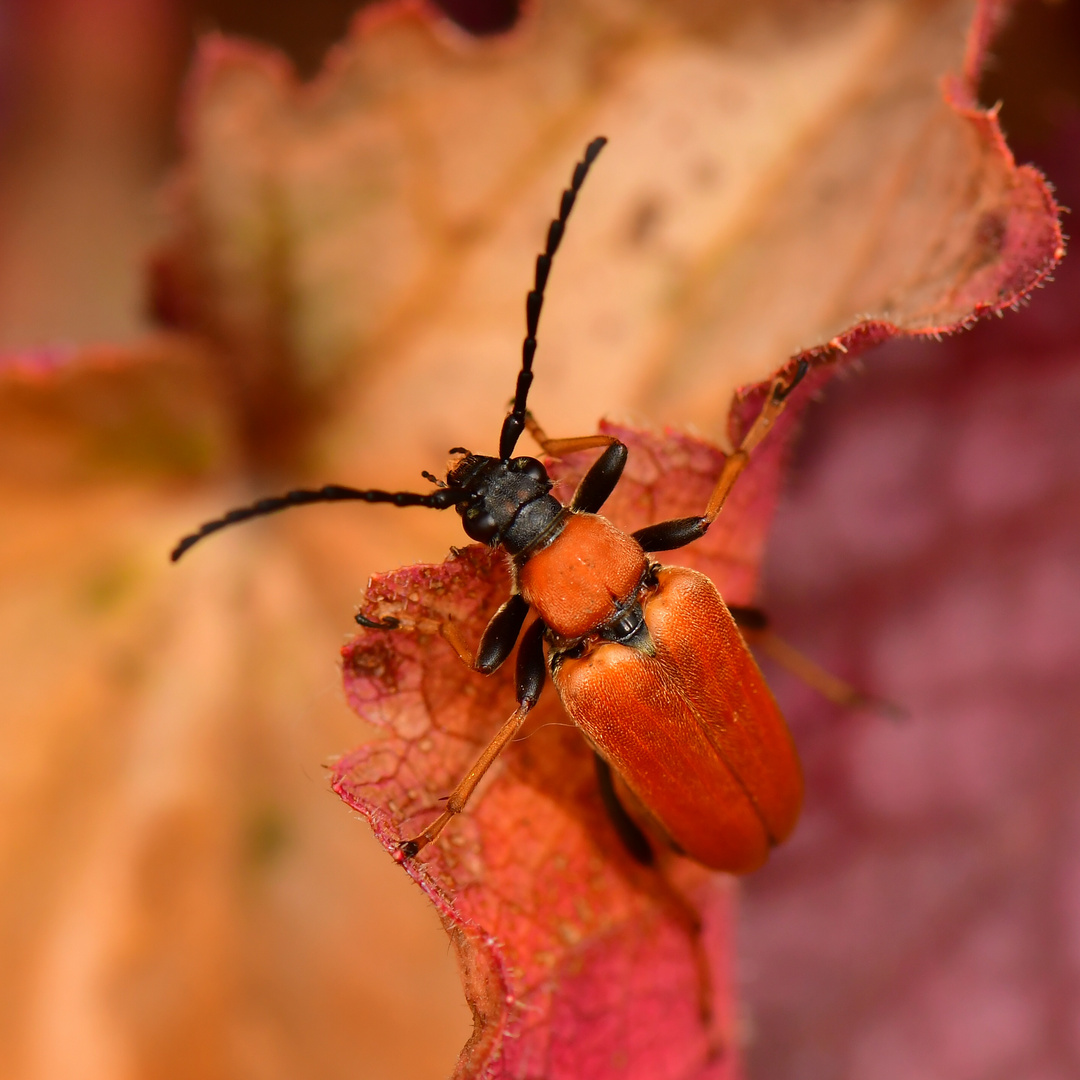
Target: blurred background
[
  {"x": 90, "y": 98},
  {"x": 928, "y": 922},
  {"x": 925, "y": 921}
]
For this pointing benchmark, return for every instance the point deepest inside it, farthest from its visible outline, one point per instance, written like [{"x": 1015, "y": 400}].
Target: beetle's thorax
[
  {"x": 507, "y": 503},
  {"x": 584, "y": 577}
]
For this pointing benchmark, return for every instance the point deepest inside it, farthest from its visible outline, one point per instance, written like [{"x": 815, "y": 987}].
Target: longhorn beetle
[{"x": 647, "y": 659}]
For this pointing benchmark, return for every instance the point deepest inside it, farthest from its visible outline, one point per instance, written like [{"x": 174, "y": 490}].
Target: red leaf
[{"x": 571, "y": 952}]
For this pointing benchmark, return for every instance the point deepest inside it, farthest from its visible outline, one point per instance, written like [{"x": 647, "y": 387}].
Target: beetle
[{"x": 647, "y": 659}]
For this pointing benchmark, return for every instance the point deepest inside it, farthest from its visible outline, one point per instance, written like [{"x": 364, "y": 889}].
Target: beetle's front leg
[
  {"x": 496, "y": 644},
  {"x": 604, "y": 473},
  {"x": 562, "y": 447},
  {"x": 676, "y": 533},
  {"x": 531, "y": 672}
]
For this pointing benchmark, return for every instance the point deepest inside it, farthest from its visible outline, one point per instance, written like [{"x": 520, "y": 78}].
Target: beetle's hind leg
[
  {"x": 531, "y": 673},
  {"x": 753, "y": 623},
  {"x": 689, "y": 919},
  {"x": 678, "y": 906},
  {"x": 630, "y": 833}
]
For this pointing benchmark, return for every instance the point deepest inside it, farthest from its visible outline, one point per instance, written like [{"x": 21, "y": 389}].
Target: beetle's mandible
[{"x": 647, "y": 659}]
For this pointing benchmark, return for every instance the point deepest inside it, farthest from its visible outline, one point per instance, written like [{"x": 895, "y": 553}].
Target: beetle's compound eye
[
  {"x": 530, "y": 467},
  {"x": 479, "y": 524}
]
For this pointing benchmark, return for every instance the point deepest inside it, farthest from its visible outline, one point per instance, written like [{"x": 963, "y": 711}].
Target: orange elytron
[{"x": 647, "y": 659}]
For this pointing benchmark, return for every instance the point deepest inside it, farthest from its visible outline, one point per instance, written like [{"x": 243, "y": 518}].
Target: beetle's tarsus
[
  {"x": 781, "y": 392},
  {"x": 387, "y": 622}
]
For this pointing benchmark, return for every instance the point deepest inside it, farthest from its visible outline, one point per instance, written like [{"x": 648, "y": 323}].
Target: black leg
[
  {"x": 500, "y": 634},
  {"x": 600, "y": 481},
  {"x": 667, "y": 535},
  {"x": 634, "y": 840},
  {"x": 749, "y": 618},
  {"x": 531, "y": 667},
  {"x": 531, "y": 673},
  {"x": 603, "y": 475}
]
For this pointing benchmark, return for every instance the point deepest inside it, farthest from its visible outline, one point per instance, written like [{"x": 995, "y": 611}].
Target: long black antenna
[
  {"x": 514, "y": 424},
  {"x": 436, "y": 500}
]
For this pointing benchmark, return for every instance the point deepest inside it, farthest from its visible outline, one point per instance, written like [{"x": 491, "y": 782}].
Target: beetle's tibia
[{"x": 413, "y": 847}]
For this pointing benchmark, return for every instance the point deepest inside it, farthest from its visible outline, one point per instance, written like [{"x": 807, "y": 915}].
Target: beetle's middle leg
[
  {"x": 666, "y": 535},
  {"x": 531, "y": 673}
]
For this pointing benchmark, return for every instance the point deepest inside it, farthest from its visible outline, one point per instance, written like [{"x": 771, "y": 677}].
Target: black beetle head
[{"x": 495, "y": 492}]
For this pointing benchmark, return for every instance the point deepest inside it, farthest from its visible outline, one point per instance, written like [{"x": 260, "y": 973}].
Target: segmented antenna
[
  {"x": 514, "y": 424},
  {"x": 436, "y": 500}
]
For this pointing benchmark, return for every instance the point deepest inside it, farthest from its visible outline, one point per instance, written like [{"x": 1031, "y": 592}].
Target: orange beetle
[{"x": 647, "y": 659}]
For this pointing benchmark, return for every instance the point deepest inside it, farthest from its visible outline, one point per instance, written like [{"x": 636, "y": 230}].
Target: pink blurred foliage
[{"x": 923, "y": 923}]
